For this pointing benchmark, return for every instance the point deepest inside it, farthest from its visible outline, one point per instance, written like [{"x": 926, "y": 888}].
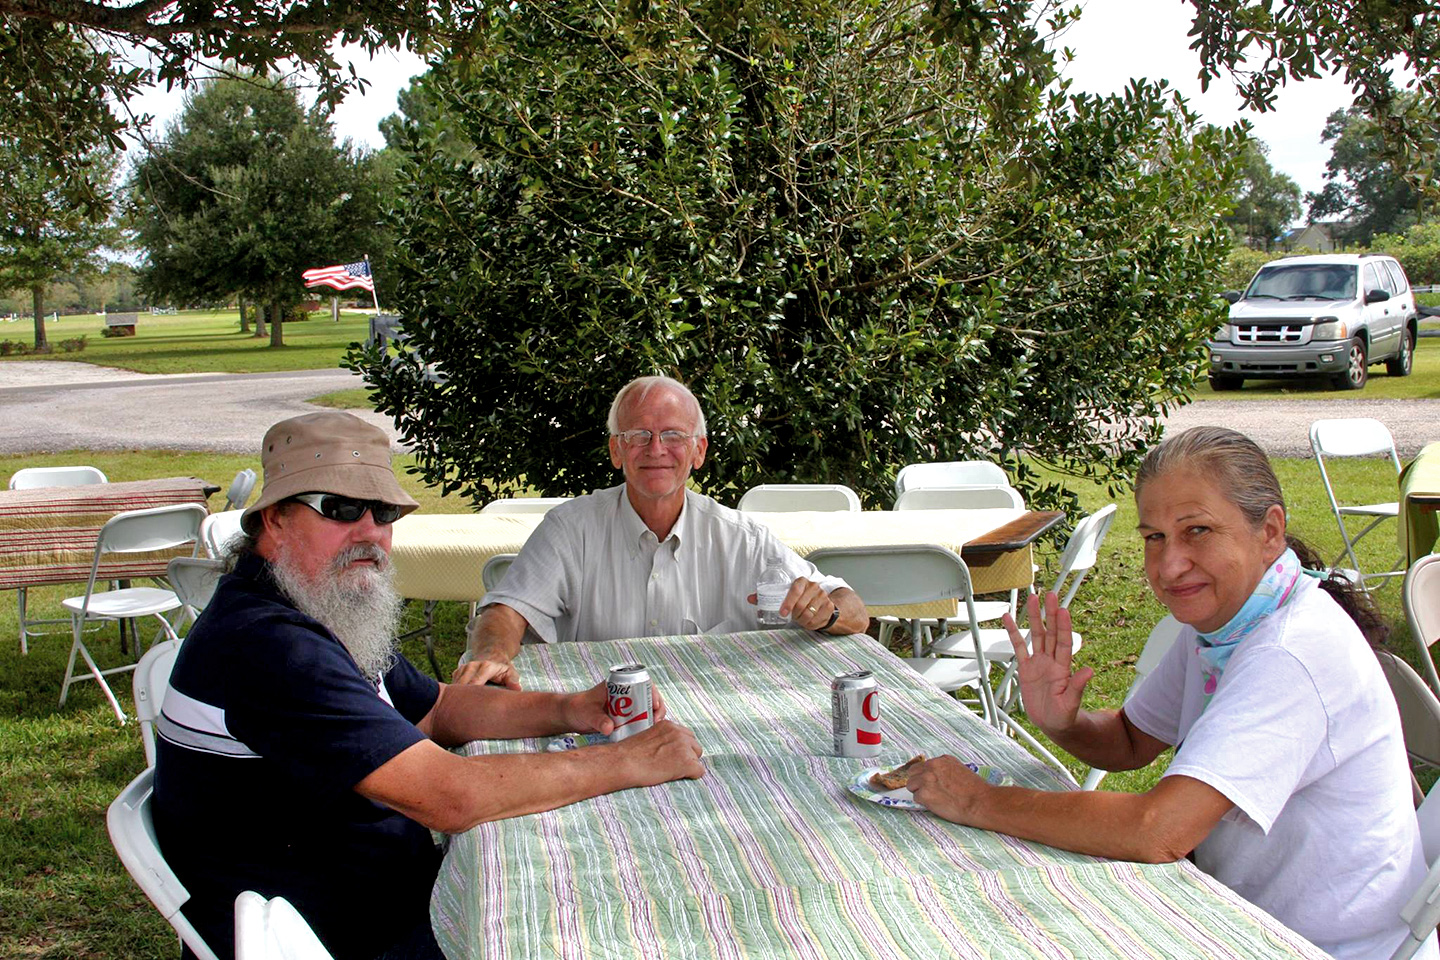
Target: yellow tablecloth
[
  {"x": 1419, "y": 501},
  {"x": 439, "y": 556}
]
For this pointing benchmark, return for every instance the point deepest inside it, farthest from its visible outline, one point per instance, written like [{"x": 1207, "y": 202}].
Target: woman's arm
[{"x": 1159, "y": 826}]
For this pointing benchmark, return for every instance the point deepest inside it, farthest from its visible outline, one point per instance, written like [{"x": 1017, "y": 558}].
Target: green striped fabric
[{"x": 770, "y": 855}]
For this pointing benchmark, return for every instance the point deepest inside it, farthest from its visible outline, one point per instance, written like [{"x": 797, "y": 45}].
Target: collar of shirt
[{"x": 637, "y": 532}]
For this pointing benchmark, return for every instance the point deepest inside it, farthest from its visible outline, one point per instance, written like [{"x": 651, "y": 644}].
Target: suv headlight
[
  {"x": 1222, "y": 333},
  {"x": 1329, "y": 328}
]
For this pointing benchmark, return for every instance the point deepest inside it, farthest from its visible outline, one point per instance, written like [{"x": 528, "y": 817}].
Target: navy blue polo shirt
[{"x": 266, "y": 728}]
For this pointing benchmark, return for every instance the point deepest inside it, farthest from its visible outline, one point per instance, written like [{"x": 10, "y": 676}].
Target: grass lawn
[
  {"x": 63, "y": 893},
  {"x": 1423, "y": 382},
  {"x": 200, "y": 341}
]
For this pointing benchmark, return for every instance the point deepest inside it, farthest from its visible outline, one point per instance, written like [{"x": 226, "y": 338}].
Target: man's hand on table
[
  {"x": 500, "y": 672},
  {"x": 665, "y": 752},
  {"x": 807, "y": 605},
  {"x": 947, "y": 788},
  {"x": 585, "y": 711}
]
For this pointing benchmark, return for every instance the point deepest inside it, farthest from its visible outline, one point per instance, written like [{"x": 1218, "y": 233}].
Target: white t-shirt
[
  {"x": 592, "y": 570},
  {"x": 1303, "y": 736}
]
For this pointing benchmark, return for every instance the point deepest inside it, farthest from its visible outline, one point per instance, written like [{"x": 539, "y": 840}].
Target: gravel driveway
[{"x": 49, "y": 406}]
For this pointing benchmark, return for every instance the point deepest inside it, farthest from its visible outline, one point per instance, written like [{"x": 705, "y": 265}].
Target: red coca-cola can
[
  {"x": 630, "y": 702},
  {"x": 855, "y": 714}
]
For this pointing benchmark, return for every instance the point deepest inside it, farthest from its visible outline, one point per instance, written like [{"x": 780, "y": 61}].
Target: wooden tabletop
[{"x": 1020, "y": 532}]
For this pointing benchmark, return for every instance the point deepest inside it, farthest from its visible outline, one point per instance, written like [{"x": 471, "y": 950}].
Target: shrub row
[
  {"x": 1418, "y": 251},
  {"x": 19, "y": 348}
]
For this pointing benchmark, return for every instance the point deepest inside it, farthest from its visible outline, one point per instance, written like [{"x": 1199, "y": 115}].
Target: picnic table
[
  {"x": 771, "y": 854},
  {"x": 1419, "y": 504}
]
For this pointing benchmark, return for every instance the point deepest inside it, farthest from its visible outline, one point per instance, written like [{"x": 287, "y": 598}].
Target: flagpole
[{"x": 374, "y": 298}]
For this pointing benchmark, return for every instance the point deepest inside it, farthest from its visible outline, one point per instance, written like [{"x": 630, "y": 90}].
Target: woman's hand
[{"x": 1050, "y": 691}]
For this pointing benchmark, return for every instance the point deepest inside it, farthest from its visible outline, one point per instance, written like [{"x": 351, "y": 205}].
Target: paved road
[{"x": 59, "y": 405}]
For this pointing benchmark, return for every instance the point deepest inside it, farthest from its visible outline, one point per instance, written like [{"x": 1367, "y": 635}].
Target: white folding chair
[
  {"x": 217, "y": 530},
  {"x": 964, "y": 498},
  {"x": 905, "y": 575},
  {"x": 135, "y": 531},
  {"x": 1422, "y": 610},
  {"x": 132, "y": 832},
  {"x": 494, "y": 570},
  {"x": 1421, "y": 912},
  {"x": 1162, "y": 637},
  {"x": 152, "y": 679},
  {"x": 950, "y": 473},
  {"x": 1081, "y": 554},
  {"x": 273, "y": 930},
  {"x": 194, "y": 580},
  {"x": 28, "y": 478},
  {"x": 1355, "y": 437},
  {"x": 1419, "y": 710},
  {"x": 792, "y": 497},
  {"x": 239, "y": 493},
  {"x": 523, "y": 504}
]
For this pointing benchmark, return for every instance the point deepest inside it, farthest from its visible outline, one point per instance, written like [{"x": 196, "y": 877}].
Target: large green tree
[
  {"x": 43, "y": 233},
  {"x": 861, "y": 246},
  {"x": 1266, "y": 202},
  {"x": 249, "y": 190},
  {"x": 1363, "y": 185}
]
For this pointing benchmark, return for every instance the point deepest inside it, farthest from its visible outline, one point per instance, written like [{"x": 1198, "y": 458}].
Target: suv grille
[{"x": 1270, "y": 333}]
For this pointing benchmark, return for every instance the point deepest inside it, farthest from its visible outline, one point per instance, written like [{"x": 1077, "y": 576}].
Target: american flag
[{"x": 342, "y": 277}]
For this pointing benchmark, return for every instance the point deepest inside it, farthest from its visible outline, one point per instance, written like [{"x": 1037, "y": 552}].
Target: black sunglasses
[{"x": 332, "y": 506}]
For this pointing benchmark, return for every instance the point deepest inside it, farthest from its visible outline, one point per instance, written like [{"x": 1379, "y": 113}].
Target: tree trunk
[
  {"x": 244, "y": 323},
  {"x": 277, "y": 336},
  {"x": 259, "y": 320},
  {"x": 38, "y": 293}
]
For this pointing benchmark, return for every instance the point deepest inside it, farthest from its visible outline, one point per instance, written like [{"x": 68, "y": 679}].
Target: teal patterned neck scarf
[{"x": 1274, "y": 589}]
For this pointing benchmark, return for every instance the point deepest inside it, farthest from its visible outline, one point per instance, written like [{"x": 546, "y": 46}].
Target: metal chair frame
[
  {"x": 28, "y": 478},
  {"x": 1355, "y": 437}
]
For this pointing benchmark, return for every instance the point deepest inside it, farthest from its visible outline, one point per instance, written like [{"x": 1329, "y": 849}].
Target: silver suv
[{"x": 1329, "y": 315}]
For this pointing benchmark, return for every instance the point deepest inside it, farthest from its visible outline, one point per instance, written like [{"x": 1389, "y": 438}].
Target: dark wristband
[{"x": 834, "y": 615}]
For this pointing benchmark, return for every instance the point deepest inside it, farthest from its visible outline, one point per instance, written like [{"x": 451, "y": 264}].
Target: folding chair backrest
[
  {"x": 1422, "y": 912},
  {"x": 790, "y": 497},
  {"x": 273, "y": 930},
  {"x": 1082, "y": 552},
  {"x": 494, "y": 570},
  {"x": 217, "y": 529},
  {"x": 897, "y": 575},
  {"x": 1422, "y": 610},
  {"x": 523, "y": 504},
  {"x": 152, "y": 679},
  {"x": 30, "y": 477},
  {"x": 132, "y": 832},
  {"x": 1352, "y": 437},
  {"x": 194, "y": 580},
  {"x": 239, "y": 493},
  {"x": 950, "y": 473},
  {"x": 143, "y": 531},
  {"x": 1419, "y": 709},
  {"x": 960, "y": 498}
]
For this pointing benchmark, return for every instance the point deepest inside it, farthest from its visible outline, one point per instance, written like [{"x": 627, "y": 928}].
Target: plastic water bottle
[{"x": 770, "y": 593}]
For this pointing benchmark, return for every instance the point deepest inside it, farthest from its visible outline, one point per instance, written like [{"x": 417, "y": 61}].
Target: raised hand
[{"x": 1050, "y": 690}]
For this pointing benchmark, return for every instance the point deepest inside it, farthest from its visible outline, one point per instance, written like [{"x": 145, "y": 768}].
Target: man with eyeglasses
[
  {"x": 648, "y": 557},
  {"x": 300, "y": 755}
]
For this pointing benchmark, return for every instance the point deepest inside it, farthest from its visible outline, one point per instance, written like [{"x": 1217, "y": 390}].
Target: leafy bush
[
  {"x": 860, "y": 248},
  {"x": 72, "y": 344},
  {"x": 1241, "y": 265}
]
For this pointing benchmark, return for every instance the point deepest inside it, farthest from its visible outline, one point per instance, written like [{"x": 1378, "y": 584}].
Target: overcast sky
[{"x": 1114, "y": 41}]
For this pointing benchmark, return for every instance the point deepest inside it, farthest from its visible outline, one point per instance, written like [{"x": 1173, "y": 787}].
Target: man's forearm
[
  {"x": 496, "y": 633},
  {"x": 468, "y": 712}
]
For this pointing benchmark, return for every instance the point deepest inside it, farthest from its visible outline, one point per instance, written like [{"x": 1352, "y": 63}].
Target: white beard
[{"x": 359, "y": 605}]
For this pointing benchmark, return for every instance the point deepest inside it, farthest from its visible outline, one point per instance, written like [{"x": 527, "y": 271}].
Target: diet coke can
[
  {"x": 855, "y": 713},
  {"x": 629, "y": 703}
]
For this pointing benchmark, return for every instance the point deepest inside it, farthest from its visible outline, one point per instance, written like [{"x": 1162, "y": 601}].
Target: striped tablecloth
[
  {"x": 48, "y": 534},
  {"x": 440, "y": 556},
  {"x": 769, "y": 855}
]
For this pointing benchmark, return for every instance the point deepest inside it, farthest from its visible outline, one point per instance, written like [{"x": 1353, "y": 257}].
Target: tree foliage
[
  {"x": 1266, "y": 202},
  {"x": 43, "y": 234},
  {"x": 248, "y": 190},
  {"x": 1363, "y": 186},
  {"x": 860, "y": 247}
]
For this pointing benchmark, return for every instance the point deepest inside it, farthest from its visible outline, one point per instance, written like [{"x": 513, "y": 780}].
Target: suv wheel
[
  {"x": 1219, "y": 383},
  {"x": 1400, "y": 364},
  {"x": 1357, "y": 371}
]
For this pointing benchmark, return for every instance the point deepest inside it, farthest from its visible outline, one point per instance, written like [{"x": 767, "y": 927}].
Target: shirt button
[{"x": 654, "y": 622}]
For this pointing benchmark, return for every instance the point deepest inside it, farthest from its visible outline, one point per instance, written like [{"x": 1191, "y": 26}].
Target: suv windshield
[{"x": 1318, "y": 281}]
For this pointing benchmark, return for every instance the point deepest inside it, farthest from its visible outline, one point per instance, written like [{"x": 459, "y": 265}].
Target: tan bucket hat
[{"x": 330, "y": 452}]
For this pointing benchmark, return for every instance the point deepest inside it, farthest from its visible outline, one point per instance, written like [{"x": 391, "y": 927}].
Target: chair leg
[
  {"x": 20, "y": 598},
  {"x": 78, "y": 646},
  {"x": 1022, "y": 734},
  {"x": 70, "y": 666}
]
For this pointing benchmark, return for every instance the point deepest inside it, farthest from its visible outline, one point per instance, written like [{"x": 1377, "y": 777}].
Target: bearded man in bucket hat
[{"x": 299, "y": 755}]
